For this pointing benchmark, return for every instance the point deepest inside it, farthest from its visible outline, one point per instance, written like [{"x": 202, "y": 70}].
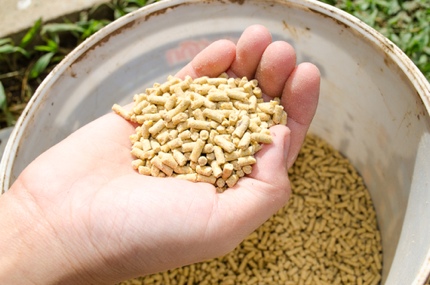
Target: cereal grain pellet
[
  {"x": 187, "y": 124},
  {"x": 309, "y": 241}
]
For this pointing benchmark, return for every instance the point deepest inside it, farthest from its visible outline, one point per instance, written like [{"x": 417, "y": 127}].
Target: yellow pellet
[
  {"x": 204, "y": 135},
  {"x": 163, "y": 137},
  {"x": 199, "y": 124},
  {"x": 157, "y": 100},
  {"x": 142, "y": 154},
  {"x": 247, "y": 169},
  {"x": 171, "y": 102},
  {"x": 216, "y": 115},
  {"x": 216, "y": 169},
  {"x": 208, "y": 148},
  {"x": 197, "y": 150},
  {"x": 189, "y": 146},
  {"x": 237, "y": 94},
  {"x": 221, "y": 141},
  {"x": 170, "y": 81},
  {"x": 234, "y": 155},
  {"x": 232, "y": 180},
  {"x": 264, "y": 117},
  {"x": 183, "y": 169},
  {"x": 244, "y": 141},
  {"x": 219, "y": 155},
  {"x": 254, "y": 125},
  {"x": 136, "y": 163},
  {"x": 156, "y": 161},
  {"x": 266, "y": 107},
  {"x": 198, "y": 114},
  {"x": 181, "y": 107},
  {"x": 121, "y": 111},
  {"x": 144, "y": 170},
  {"x": 217, "y": 81},
  {"x": 227, "y": 171},
  {"x": 179, "y": 157},
  {"x": 207, "y": 179},
  {"x": 246, "y": 160},
  {"x": 147, "y": 117},
  {"x": 179, "y": 118},
  {"x": 167, "y": 159},
  {"x": 190, "y": 176},
  {"x": 175, "y": 143},
  {"x": 157, "y": 127},
  {"x": 261, "y": 138},
  {"x": 242, "y": 126},
  {"x": 202, "y": 160},
  {"x": 204, "y": 170},
  {"x": 217, "y": 96},
  {"x": 220, "y": 182}
]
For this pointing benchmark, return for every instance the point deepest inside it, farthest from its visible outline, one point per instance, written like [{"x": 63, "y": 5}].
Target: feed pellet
[
  {"x": 326, "y": 234},
  {"x": 202, "y": 130}
]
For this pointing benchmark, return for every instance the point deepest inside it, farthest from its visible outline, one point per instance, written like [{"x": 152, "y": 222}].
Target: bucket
[{"x": 374, "y": 105}]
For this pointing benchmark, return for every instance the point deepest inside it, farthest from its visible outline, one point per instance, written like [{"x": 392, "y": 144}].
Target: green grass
[
  {"x": 406, "y": 23},
  {"x": 25, "y": 63}
]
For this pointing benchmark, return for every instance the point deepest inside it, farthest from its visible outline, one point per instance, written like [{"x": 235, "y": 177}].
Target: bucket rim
[{"x": 408, "y": 69}]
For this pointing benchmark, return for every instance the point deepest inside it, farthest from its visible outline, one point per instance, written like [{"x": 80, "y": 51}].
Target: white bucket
[{"x": 374, "y": 104}]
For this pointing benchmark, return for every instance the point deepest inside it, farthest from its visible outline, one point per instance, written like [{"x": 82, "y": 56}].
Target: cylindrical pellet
[
  {"x": 241, "y": 126},
  {"x": 199, "y": 124},
  {"x": 197, "y": 150},
  {"x": 224, "y": 143},
  {"x": 182, "y": 106}
]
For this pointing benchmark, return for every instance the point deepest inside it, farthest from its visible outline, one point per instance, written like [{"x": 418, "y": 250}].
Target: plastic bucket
[{"x": 374, "y": 104}]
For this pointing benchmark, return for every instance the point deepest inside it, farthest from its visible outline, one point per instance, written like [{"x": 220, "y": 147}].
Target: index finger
[{"x": 212, "y": 61}]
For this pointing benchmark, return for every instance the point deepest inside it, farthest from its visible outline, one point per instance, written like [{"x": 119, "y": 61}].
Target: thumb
[
  {"x": 271, "y": 166},
  {"x": 255, "y": 198}
]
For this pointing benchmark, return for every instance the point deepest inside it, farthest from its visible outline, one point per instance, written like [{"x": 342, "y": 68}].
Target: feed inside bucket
[
  {"x": 326, "y": 234},
  {"x": 374, "y": 104}
]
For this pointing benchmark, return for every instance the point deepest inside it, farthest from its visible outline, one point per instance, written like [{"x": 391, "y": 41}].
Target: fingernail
[{"x": 286, "y": 146}]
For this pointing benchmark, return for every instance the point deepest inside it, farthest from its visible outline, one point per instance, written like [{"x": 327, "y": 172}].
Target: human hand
[{"x": 80, "y": 214}]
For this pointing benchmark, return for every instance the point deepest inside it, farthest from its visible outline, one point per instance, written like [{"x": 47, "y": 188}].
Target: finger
[
  {"x": 277, "y": 63},
  {"x": 300, "y": 100},
  {"x": 249, "y": 50},
  {"x": 212, "y": 61},
  {"x": 256, "y": 198}
]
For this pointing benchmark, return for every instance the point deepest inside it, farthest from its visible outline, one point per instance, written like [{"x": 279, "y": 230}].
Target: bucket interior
[{"x": 373, "y": 105}]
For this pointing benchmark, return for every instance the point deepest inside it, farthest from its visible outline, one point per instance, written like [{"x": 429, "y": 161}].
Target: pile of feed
[
  {"x": 202, "y": 130},
  {"x": 326, "y": 234}
]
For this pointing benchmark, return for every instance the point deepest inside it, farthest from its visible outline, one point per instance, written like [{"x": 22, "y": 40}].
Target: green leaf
[
  {"x": 45, "y": 48},
  {"x": 57, "y": 58},
  {"x": 61, "y": 27},
  {"x": 40, "y": 65},
  {"x": 5, "y": 41},
  {"x": 30, "y": 35},
  {"x": 10, "y": 120},
  {"x": 91, "y": 27},
  {"x": 3, "y": 101},
  {"x": 8, "y": 48},
  {"x": 139, "y": 3},
  {"x": 52, "y": 45}
]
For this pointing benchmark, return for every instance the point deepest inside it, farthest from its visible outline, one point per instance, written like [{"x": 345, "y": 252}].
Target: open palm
[{"x": 105, "y": 222}]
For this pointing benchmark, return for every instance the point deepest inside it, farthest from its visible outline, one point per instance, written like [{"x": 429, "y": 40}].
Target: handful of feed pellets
[{"x": 202, "y": 130}]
